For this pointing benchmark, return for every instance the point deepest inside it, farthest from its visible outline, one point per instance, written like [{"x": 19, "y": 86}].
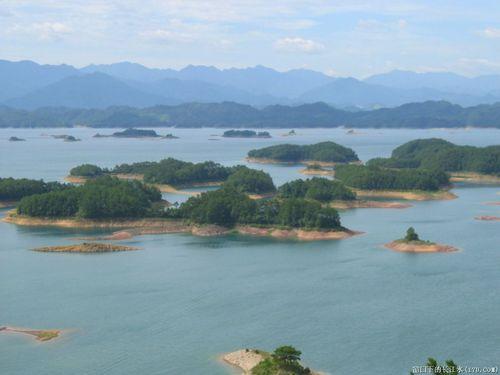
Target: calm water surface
[{"x": 351, "y": 306}]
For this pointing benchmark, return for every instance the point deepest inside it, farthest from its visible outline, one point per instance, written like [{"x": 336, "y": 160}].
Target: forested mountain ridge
[{"x": 234, "y": 115}]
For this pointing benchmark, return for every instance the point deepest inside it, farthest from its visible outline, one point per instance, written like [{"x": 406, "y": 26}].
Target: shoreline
[
  {"x": 42, "y": 335},
  {"x": 7, "y": 204},
  {"x": 347, "y": 205},
  {"x": 419, "y": 247},
  {"x": 317, "y": 172},
  {"x": 474, "y": 178},
  {"x": 487, "y": 218},
  {"x": 412, "y": 195},
  {"x": 298, "y": 162},
  {"x": 136, "y": 227}
]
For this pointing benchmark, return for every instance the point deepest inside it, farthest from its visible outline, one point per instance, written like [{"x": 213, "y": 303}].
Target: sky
[{"x": 338, "y": 37}]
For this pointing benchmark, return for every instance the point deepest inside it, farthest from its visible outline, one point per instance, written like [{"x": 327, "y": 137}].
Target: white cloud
[
  {"x": 298, "y": 45},
  {"x": 490, "y": 32},
  {"x": 45, "y": 31}
]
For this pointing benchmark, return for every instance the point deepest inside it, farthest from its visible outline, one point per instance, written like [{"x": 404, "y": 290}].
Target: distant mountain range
[
  {"x": 429, "y": 114},
  {"x": 27, "y": 85}
]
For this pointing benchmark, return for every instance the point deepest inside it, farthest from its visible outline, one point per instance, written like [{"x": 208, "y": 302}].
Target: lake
[{"x": 351, "y": 306}]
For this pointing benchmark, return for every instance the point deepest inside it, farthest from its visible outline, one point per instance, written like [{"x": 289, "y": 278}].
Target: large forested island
[
  {"x": 418, "y": 184},
  {"x": 468, "y": 162},
  {"x": 430, "y": 114},
  {"x": 107, "y": 201},
  {"x": 169, "y": 174},
  {"x": 326, "y": 153}
]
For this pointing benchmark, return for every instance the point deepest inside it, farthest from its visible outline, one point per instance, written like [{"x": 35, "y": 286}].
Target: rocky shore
[
  {"x": 414, "y": 195},
  {"x": 346, "y": 205},
  {"x": 130, "y": 228},
  {"x": 40, "y": 334},
  {"x": 419, "y": 247},
  {"x": 86, "y": 247}
]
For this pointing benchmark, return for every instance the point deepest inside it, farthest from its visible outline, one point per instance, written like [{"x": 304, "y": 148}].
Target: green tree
[{"x": 411, "y": 235}]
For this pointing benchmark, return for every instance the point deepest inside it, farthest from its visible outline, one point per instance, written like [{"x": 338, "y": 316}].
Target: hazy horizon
[{"x": 339, "y": 38}]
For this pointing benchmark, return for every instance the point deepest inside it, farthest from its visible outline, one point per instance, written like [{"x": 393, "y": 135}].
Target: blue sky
[{"x": 344, "y": 38}]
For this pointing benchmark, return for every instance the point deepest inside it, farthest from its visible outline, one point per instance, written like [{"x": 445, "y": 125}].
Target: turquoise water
[{"x": 351, "y": 306}]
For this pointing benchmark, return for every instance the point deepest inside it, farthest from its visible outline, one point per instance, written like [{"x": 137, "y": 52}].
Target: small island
[
  {"x": 38, "y": 334},
  {"x": 285, "y": 360},
  {"x": 16, "y": 139},
  {"x": 323, "y": 154},
  {"x": 488, "y": 218},
  {"x": 136, "y": 133},
  {"x": 411, "y": 243},
  {"x": 66, "y": 138},
  {"x": 316, "y": 170},
  {"x": 290, "y": 133},
  {"x": 86, "y": 247},
  {"x": 245, "y": 134}
]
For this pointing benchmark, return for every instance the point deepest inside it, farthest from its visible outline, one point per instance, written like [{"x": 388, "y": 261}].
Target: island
[
  {"x": 170, "y": 175},
  {"x": 331, "y": 193},
  {"x": 16, "y": 139},
  {"x": 284, "y": 360},
  {"x": 411, "y": 243},
  {"x": 463, "y": 163},
  {"x": 488, "y": 218},
  {"x": 290, "y": 133},
  {"x": 136, "y": 133},
  {"x": 108, "y": 202},
  {"x": 38, "y": 334},
  {"x": 66, "y": 138},
  {"x": 245, "y": 134},
  {"x": 323, "y": 154},
  {"x": 316, "y": 170},
  {"x": 86, "y": 247},
  {"x": 409, "y": 184}
]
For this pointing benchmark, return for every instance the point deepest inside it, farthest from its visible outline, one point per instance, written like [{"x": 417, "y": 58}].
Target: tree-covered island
[
  {"x": 324, "y": 153},
  {"x": 245, "y": 134},
  {"x": 411, "y": 243},
  {"x": 171, "y": 172},
  {"x": 414, "y": 184},
  {"x": 463, "y": 162},
  {"x": 106, "y": 199},
  {"x": 284, "y": 360}
]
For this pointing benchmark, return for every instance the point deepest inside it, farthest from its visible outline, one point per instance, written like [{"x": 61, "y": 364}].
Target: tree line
[
  {"x": 323, "y": 151},
  {"x": 435, "y": 153},
  {"x": 373, "y": 177}
]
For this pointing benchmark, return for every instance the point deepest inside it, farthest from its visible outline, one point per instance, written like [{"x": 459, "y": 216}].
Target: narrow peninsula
[
  {"x": 39, "y": 334},
  {"x": 411, "y": 243}
]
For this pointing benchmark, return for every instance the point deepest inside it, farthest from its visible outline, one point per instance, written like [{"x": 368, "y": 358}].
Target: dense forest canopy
[
  {"x": 378, "y": 178},
  {"x": 167, "y": 171},
  {"x": 12, "y": 189},
  {"x": 323, "y": 151},
  {"x": 229, "y": 207},
  {"x": 247, "y": 180},
  {"x": 434, "y": 153},
  {"x": 317, "y": 188},
  {"x": 103, "y": 197},
  {"x": 430, "y": 114}
]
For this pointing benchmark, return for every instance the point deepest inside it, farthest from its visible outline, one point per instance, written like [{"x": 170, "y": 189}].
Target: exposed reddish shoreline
[{"x": 419, "y": 247}]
